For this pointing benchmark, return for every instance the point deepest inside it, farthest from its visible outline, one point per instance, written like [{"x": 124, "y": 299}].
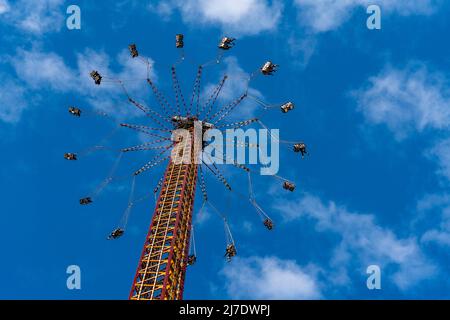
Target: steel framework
[{"x": 162, "y": 267}]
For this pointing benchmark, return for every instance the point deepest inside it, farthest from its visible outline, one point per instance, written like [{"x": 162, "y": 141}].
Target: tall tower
[{"x": 162, "y": 266}]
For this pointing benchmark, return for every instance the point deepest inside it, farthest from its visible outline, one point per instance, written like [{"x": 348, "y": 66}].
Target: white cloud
[
  {"x": 164, "y": 9},
  {"x": 269, "y": 278},
  {"x": 326, "y": 15},
  {"x": 237, "y": 81},
  {"x": 363, "y": 241},
  {"x": 4, "y": 6},
  {"x": 109, "y": 97},
  {"x": 202, "y": 217},
  {"x": 406, "y": 100},
  {"x": 412, "y": 100},
  {"x": 247, "y": 226},
  {"x": 317, "y": 16},
  {"x": 36, "y": 17},
  {"x": 239, "y": 17},
  {"x": 441, "y": 152},
  {"x": 42, "y": 70},
  {"x": 433, "y": 205},
  {"x": 437, "y": 236},
  {"x": 235, "y": 86},
  {"x": 302, "y": 48},
  {"x": 12, "y": 100}
]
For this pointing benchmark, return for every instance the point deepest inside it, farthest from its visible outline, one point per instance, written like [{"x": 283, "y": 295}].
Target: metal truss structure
[{"x": 162, "y": 266}]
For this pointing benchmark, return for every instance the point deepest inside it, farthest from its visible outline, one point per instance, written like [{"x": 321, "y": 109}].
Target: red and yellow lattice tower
[{"x": 162, "y": 265}]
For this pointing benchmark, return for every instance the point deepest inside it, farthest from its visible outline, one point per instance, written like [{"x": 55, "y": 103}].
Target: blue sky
[{"x": 372, "y": 105}]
